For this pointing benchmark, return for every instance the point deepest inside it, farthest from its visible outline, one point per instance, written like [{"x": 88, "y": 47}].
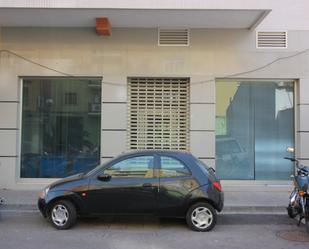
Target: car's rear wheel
[
  {"x": 62, "y": 214},
  {"x": 201, "y": 217}
]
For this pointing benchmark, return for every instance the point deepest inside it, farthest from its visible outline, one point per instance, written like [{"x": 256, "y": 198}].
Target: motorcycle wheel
[
  {"x": 307, "y": 217},
  {"x": 291, "y": 214}
]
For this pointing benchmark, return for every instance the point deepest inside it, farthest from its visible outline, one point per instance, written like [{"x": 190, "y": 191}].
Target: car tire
[
  {"x": 62, "y": 214},
  {"x": 201, "y": 217}
]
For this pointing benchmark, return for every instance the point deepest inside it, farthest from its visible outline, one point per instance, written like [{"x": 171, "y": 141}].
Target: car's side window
[
  {"x": 171, "y": 167},
  {"x": 140, "y": 166}
]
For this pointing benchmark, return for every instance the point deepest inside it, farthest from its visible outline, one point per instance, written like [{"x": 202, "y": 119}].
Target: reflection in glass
[
  {"x": 140, "y": 166},
  {"x": 254, "y": 126},
  {"x": 171, "y": 167},
  {"x": 61, "y": 121}
]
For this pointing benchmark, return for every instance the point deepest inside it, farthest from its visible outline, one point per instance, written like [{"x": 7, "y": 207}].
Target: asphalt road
[{"x": 247, "y": 231}]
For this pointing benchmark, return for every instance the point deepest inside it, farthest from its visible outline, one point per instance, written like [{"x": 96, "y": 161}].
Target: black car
[{"x": 161, "y": 183}]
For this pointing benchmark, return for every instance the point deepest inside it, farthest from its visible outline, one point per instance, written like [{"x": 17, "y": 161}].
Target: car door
[
  {"x": 175, "y": 183},
  {"x": 128, "y": 186}
]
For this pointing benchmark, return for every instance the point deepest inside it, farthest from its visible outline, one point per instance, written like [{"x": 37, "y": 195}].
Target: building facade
[{"x": 225, "y": 80}]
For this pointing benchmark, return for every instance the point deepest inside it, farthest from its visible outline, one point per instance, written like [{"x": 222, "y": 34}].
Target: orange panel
[{"x": 103, "y": 26}]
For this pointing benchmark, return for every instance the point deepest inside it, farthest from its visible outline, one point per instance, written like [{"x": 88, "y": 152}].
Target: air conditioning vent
[
  {"x": 173, "y": 37},
  {"x": 271, "y": 39}
]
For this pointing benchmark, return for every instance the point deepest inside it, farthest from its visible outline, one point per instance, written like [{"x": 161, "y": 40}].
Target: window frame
[
  {"x": 21, "y": 80},
  {"x": 295, "y": 87}
]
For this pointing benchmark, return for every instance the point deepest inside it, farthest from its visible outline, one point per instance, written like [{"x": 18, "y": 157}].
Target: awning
[{"x": 133, "y": 18}]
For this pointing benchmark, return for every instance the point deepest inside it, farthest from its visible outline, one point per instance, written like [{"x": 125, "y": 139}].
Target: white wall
[{"x": 134, "y": 52}]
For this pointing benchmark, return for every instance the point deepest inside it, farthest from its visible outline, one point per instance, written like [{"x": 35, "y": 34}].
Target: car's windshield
[
  {"x": 92, "y": 171},
  {"x": 96, "y": 169}
]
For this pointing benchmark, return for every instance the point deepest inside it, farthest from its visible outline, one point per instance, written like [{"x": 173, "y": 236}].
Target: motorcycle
[{"x": 299, "y": 198}]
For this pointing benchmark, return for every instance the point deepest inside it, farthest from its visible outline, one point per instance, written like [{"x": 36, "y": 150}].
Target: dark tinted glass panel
[
  {"x": 254, "y": 126},
  {"x": 61, "y": 120}
]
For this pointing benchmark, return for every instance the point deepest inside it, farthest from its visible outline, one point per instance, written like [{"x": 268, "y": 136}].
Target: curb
[
  {"x": 18, "y": 207},
  {"x": 254, "y": 209}
]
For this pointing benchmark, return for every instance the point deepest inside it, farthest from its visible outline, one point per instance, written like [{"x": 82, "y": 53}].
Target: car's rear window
[{"x": 201, "y": 164}]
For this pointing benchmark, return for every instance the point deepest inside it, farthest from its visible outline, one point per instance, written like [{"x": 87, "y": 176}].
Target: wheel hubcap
[
  {"x": 60, "y": 215},
  {"x": 201, "y": 217}
]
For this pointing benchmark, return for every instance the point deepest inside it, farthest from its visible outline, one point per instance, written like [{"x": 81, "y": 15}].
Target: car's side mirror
[
  {"x": 212, "y": 169},
  {"x": 104, "y": 177}
]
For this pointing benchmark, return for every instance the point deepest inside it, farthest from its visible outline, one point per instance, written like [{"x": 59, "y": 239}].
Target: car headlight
[{"x": 44, "y": 192}]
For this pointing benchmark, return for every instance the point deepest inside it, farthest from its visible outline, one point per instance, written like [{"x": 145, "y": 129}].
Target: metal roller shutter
[{"x": 158, "y": 113}]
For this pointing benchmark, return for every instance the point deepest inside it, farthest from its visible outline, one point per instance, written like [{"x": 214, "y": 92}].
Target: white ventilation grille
[
  {"x": 158, "y": 113},
  {"x": 173, "y": 37},
  {"x": 271, "y": 39}
]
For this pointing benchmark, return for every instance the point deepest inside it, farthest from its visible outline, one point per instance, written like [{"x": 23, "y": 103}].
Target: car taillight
[{"x": 217, "y": 185}]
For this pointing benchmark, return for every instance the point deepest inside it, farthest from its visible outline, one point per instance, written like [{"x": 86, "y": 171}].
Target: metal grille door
[{"x": 158, "y": 113}]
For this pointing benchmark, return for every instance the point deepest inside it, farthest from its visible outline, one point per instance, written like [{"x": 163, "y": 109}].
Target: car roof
[{"x": 150, "y": 151}]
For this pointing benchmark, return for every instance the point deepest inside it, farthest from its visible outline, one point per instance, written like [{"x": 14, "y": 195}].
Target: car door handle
[{"x": 147, "y": 185}]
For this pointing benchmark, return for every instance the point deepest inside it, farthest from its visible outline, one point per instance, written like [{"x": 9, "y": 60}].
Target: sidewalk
[{"x": 236, "y": 201}]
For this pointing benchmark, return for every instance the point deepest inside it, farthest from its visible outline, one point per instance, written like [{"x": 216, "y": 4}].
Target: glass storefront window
[
  {"x": 61, "y": 123},
  {"x": 254, "y": 126}
]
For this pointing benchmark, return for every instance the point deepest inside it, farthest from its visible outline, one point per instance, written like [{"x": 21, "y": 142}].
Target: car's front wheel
[
  {"x": 201, "y": 217},
  {"x": 62, "y": 214}
]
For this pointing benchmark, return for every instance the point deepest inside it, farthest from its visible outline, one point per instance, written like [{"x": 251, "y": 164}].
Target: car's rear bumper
[{"x": 220, "y": 203}]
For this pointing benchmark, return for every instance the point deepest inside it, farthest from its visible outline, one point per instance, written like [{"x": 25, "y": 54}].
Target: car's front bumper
[{"x": 42, "y": 206}]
